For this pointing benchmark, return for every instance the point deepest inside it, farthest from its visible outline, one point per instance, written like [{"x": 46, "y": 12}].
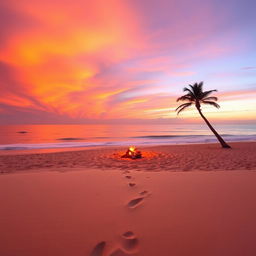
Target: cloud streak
[{"x": 95, "y": 60}]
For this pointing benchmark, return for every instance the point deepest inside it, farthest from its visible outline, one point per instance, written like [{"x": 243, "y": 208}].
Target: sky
[{"x": 118, "y": 61}]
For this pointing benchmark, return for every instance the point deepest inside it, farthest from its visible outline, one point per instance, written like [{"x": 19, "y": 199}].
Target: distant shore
[{"x": 191, "y": 157}]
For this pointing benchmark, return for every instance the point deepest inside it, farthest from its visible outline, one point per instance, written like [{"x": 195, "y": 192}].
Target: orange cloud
[
  {"x": 63, "y": 54},
  {"x": 106, "y": 59}
]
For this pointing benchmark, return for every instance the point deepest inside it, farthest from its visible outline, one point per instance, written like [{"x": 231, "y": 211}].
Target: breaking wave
[{"x": 71, "y": 142}]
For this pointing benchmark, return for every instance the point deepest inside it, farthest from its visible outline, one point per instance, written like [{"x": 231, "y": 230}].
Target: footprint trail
[
  {"x": 98, "y": 249},
  {"x": 129, "y": 241},
  {"x": 135, "y": 202}
]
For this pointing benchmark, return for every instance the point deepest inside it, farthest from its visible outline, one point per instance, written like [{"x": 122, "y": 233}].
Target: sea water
[{"x": 22, "y": 137}]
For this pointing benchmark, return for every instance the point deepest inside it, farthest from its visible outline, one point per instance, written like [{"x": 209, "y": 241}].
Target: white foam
[{"x": 136, "y": 141}]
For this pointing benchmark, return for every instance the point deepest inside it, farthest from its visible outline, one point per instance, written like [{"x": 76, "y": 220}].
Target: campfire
[{"x": 132, "y": 153}]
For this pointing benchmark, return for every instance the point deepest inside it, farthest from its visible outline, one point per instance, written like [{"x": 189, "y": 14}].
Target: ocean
[{"x": 27, "y": 137}]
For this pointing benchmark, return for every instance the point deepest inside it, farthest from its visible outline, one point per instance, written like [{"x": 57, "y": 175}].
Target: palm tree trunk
[{"x": 222, "y": 142}]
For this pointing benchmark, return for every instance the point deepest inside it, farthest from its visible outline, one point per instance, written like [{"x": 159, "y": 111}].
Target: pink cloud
[{"x": 94, "y": 59}]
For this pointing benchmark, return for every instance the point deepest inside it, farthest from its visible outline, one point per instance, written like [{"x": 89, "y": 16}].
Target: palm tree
[{"x": 196, "y": 95}]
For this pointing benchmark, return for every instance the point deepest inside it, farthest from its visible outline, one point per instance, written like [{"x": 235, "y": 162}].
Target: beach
[
  {"x": 127, "y": 128},
  {"x": 193, "y": 157},
  {"x": 196, "y": 199}
]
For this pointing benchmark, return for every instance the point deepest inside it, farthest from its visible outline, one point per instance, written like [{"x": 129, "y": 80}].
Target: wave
[
  {"x": 71, "y": 138},
  {"x": 187, "y": 136},
  {"x": 165, "y": 136},
  {"x": 138, "y": 141}
]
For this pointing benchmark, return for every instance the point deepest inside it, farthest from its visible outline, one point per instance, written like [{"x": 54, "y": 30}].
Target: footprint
[
  {"x": 119, "y": 252},
  {"x": 128, "y": 176},
  {"x": 135, "y": 202},
  {"x": 125, "y": 172},
  {"x": 128, "y": 234},
  {"x": 98, "y": 249},
  {"x": 129, "y": 244},
  {"x": 129, "y": 241},
  {"x": 143, "y": 192},
  {"x": 132, "y": 184}
]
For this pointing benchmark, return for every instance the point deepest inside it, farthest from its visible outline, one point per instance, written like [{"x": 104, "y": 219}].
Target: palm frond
[
  {"x": 182, "y": 107},
  {"x": 206, "y": 93},
  {"x": 185, "y": 97},
  {"x": 211, "y": 98},
  {"x": 196, "y": 95},
  {"x": 200, "y": 86},
  {"x": 211, "y": 103},
  {"x": 197, "y": 89},
  {"x": 190, "y": 92},
  {"x": 193, "y": 88}
]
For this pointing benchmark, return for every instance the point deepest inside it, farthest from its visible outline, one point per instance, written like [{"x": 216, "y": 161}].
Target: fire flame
[
  {"x": 132, "y": 149},
  {"x": 132, "y": 152}
]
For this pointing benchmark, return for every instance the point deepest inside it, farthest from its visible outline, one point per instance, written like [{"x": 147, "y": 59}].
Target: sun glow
[{"x": 115, "y": 60}]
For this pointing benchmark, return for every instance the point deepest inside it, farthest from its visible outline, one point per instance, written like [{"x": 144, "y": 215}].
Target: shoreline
[
  {"x": 189, "y": 157},
  {"x": 71, "y": 149},
  {"x": 6, "y": 149}
]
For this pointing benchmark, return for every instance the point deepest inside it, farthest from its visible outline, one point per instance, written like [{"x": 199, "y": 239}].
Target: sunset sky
[{"x": 80, "y": 61}]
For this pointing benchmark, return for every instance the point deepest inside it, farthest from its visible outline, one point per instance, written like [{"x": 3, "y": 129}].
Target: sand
[
  {"x": 208, "y": 157},
  {"x": 127, "y": 209}
]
